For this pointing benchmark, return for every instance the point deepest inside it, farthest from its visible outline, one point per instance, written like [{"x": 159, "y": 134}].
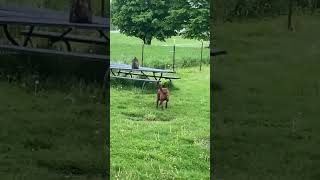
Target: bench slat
[
  {"x": 51, "y": 35},
  {"x": 38, "y": 51}
]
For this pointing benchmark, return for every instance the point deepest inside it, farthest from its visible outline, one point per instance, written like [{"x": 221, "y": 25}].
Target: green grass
[
  {"x": 147, "y": 143},
  {"x": 266, "y": 107},
  {"x": 158, "y": 54},
  {"x": 52, "y": 135}
]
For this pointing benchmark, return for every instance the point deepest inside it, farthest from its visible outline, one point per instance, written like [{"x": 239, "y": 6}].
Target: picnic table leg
[
  {"x": 9, "y": 37},
  {"x": 113, "y": 73},
  {"x": 160, "y": 76},
  {"x": 102, "y": 34},
  {"x": 144, "y": 74},
  {"x": 105, "y": 85},
  {"x": 61, "y": 38},
  {"x": 28, "y": 36},
  {"x": 154, "y": 76}
]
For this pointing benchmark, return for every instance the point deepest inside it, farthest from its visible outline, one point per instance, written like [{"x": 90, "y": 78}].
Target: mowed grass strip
[
  {"x": 266, "y": 101},
  {"x": 147, "y": 143}
]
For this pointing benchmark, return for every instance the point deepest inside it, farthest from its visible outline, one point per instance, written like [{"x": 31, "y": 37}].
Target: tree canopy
[
  {"x": 145, "y": 19},
  {"x": 192, "y": 18},
  {"x": 161, "y": 19}
]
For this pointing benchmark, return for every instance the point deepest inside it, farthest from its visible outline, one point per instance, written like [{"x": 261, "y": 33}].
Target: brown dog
[{"x": 162, "y": 95}]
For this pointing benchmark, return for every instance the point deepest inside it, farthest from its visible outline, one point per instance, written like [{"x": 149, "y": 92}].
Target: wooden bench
[
  {"x": 38, "y": 51},
  {"x": 136, "y": 79}
]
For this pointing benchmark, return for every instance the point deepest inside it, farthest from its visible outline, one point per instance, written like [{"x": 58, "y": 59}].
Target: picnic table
[
  {"x": 33, "y": 19},
  {"x": 144, "y": 74}
]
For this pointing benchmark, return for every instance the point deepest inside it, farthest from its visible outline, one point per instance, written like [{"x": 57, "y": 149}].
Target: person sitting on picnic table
[
  {"x": 135, "y": 63},
  {"x": 81, "y": 11}
]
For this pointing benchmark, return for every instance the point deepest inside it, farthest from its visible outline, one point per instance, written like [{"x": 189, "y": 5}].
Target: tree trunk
[
  {"x": 80, "y": 11},
  {"x": 147, "y": 40},
  {"x": 290, "y": 27}
]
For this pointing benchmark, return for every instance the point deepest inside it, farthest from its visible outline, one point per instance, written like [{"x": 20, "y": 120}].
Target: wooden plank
[
  {"x": 146, "y": 69},
  {"x": 134, "y": 79},
  {"x": 49, "y": 22},
  {"x": 75, "y": 38},
  {"x": 29, "y": 11},
  {"x": 37, "y": 51}
]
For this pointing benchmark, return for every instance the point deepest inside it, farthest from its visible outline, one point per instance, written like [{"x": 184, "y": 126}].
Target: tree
[
  {"x": 145, "y": 19},
  {"x": 191, "y": 18}
]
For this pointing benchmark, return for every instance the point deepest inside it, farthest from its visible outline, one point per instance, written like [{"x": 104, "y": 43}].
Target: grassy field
[
  {"x": 59, "y": 133},
  {"x": 266, "y": 100},
  {"x": 52, "y": 135},
  {"x": 147, "y": 143},
  {"x": 159, "y": 54}
]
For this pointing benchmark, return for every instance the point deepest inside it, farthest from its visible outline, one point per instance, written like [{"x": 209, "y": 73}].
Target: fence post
[
  {"x": 201, "y": 54},
  {"x": 174, "y": 55},
  {"x": 142, "y": 54}
]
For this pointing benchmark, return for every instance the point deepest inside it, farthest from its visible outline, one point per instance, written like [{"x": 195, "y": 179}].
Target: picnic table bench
[
  {"x": 143, "y": 74},
  {"x": 32, "y": 18}
]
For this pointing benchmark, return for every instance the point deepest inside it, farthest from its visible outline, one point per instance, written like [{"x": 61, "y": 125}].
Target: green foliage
[
  {"x": 162, "y": 19},
  {"x": 145, "y": 19},
  {"x": 192, "y": 17}
]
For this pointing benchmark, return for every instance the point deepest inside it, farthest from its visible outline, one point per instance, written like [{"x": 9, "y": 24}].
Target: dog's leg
[
  {"x": 157, "y": 103},
  {"x": 166, "y": 104},
  {"x": 161, "y": 104}
]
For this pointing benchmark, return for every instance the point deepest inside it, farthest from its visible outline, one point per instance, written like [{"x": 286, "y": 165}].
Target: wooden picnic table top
[
  {"x": 27, "y": 15},
  {"x": 144, "y": 69}
]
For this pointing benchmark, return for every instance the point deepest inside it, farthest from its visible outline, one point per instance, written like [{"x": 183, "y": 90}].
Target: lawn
[
  {"x": 266, "y": 100},
  {"x": 147, "y": 143},
  {"x": 159, "y": 54},
  {"x": 51, "y": 135}
]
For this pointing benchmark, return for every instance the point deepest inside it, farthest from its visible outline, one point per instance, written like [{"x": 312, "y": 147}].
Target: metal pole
[
  {"x": 174, "y": 54},
  {"x": 201, "y": 54},
  {"x": 142, "y": 54}
]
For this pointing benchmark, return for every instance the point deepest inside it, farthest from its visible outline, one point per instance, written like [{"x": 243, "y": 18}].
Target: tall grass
[{"x": 265, "y": 100}]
